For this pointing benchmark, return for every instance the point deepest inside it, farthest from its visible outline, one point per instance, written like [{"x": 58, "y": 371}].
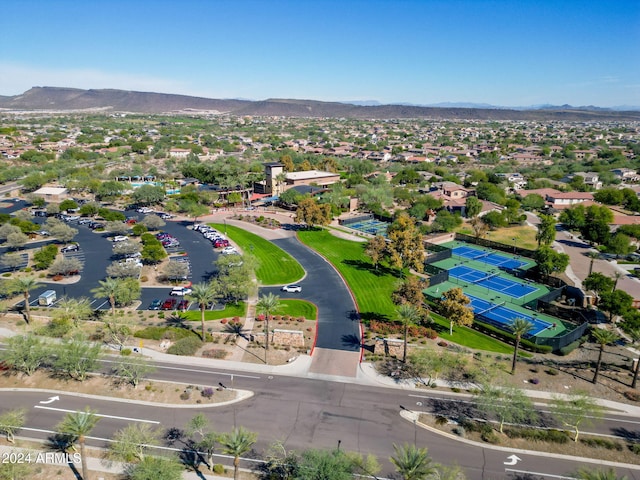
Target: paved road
[{"x": 306, "y": 413}]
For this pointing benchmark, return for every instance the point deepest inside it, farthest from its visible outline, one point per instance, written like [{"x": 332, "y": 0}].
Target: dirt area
[
  {"x": 569, "y": 374},
  {"x": 148, "y": 391},
  {"x": 579, "y": 449}
]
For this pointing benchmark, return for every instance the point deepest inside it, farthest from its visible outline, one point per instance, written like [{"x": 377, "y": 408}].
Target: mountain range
[{"x": 56, "y": 99}]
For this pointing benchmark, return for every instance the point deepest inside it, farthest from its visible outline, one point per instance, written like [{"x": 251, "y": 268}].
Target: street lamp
[{"x": 225, "y": 226}]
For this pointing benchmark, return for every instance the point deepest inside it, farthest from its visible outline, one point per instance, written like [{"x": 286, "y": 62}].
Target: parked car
[
  {"x": 161, "y": 236},
  {"x": 144, "y": 210},
  {"x": 95, "y": 225},
  {"x": 183, "y": 305},
  {"x": 84, "y": 221},
  {"x": 120, "y": 238},
  {"x": 221, "y": 243},
  {"x": 164, "y": 216},
  {"x": 180, "y": 291},
  {"x": 292, "y": 288},
  {"x": 70, "y": 248},
  {"x": 155, "y": 304},
  {"x": 169, "y": 304},
  {"x": 229, "y": 251},
  {"x": 44, "y": 233}
]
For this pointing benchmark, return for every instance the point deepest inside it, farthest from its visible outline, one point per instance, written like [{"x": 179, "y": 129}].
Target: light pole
[{"x": 225, "y": 225}]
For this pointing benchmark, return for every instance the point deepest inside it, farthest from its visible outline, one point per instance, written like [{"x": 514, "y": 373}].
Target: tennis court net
[
  {"x": 487, "y": 277},
  {"x": 492, "y": 307}
]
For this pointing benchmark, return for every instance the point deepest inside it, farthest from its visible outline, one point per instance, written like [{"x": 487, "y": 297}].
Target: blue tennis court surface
[
  {"x": 492, "y": 281},
  {"x": 490, "y": 258},
  {"x": 503, "y": 316},
  {"x": 373, "y": 227}
]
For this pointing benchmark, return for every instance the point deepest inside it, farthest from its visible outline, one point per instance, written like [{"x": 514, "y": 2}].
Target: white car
[
  {"x": 120, "y": 238},
  {"x": 292, "y": 288},
  {"x": 229, "y": 251},
  {"x": 180, "y": 291}
]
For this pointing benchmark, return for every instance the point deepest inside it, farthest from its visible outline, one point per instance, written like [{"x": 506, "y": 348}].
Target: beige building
[{"x": 51, "y": 194}]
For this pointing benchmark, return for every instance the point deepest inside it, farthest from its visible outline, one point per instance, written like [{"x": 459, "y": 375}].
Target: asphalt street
[
  {"x": 307, "y": 413},
  {"x": 338, "y": 325}
]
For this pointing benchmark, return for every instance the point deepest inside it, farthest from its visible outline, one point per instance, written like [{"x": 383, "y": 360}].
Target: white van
[{"x": 47, "y": 298}]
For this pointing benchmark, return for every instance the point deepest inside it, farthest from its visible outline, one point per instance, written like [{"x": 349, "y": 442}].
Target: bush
[
  {"x": 217, "y": 353},
  {"x": 56, "y": 328},
  {"x": 487, "y": 434},
  {"x": 185, "y": 395},
  {"x": 635, "y": 448},
  {"x": 554, "y": 436},
  {"x": 552, "y": 371},
  {"x": 218, "y": 469},
  {"x": 602, "y": 443},
  {"x": 207, "y": 392},
  {"x": 125, "y": 352},
  {"x": 632, "y": 395},
  {"x": 161, "y": 333},
  {"x": 567, "y": 349},
  {"x": 534, "y": 381},
  {"x": 185, "y": 346}
]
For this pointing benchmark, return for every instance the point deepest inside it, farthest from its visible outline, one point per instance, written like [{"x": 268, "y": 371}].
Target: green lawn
[
  {"x": 231, "y": 310},
  {"x": 298, "y": 308},
  {"x": 275, "y": 266},
  {"x": 371, "y": 288}
]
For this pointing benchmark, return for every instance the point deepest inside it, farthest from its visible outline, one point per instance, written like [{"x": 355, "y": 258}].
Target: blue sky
[{"x": 509, "y": 53}]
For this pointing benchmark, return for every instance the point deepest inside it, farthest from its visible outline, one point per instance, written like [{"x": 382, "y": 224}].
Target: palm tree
[
  {"x": 408, "y": 315},
  {"x": 616, "y": 277},
  {"x": 109, "y": 287},
  {"x": 73, "y": 310},
  {"x": 603, "y": 338},
  {"x": 204, "y": 294},
  {"x": 77, "y": 426},
  {"x": 592, "y": 255},
  {"x": 25, "y": 285},
  {"x": 520, "y": 328},
  {"x": 413, "y": 463},
  {"x": 591, "y": 474},
  {"x": 237, "y": 443},
  {"x": 267, "y": 304}
]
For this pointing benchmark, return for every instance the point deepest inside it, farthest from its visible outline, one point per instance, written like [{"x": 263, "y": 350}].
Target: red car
[
  {"x": 183, "y": 305},
  {"x": 169, "y": 304},
  {"x": 220, "y": 243}
]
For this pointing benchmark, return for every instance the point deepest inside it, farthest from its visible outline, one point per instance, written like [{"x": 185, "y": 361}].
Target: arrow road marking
[
  {"x": 51, "y": 400},
  {"x": 98, "y": 415},
  {"x": 514, "y": 459}
]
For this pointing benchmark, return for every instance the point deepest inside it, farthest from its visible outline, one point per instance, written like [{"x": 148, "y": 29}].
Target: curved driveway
[{"x": 338, "y": 325}]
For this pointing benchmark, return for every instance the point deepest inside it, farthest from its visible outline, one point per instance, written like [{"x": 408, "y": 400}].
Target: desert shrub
[
  {"x": 207, "y": 392},
  {"x": 635, "y": 448},
  {"x": 160, "y": 333},
  {"x": 487, "y": 434},
  {"x": 442, "y": 343},
  {"x": 541, "y": 435},
  {"x": 632, "y": 395},
  {"x": 185, "y": 346},
  {"x": 534, "y": 381},
  {"x": 144, "y": 278},
  {"x": 185, "y": 395},
  {"x": 223, "y": 321},
  {"x": 440, "y": 420},
  {"x": 459, "y": 431},
  {"x": 218, "y": 469},
  {"x": 125, "y": 352},
  {"x": 567, "y": 349},
  {"x": 602, "y": 443},
  {"x": 56, "y": 328},
  {"x": 552, "y": 371},
  {"x": 216, "y": 353}
]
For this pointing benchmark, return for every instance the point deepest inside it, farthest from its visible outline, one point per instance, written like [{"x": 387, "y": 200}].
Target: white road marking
[
  {"x": 235, "y": 375},
  {"x": 98, "y": 415}
]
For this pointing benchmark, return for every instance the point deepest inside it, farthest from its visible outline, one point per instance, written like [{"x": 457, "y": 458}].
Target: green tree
[
  {"x": 546, "y": 230},
  {"x": 207, "y": 438},
  {"x": 133, "y": 370},
  {"x": 237, "y": 443},
  {"x": 196, "y": 210},
  {"x": 603, "y": 338},
  {"x": 412, "y": 462},
  {"x": 375, "y": 249},
  {"x": 312, "y": 213},
  {"x": 152, "y": 222},
  {"x": 473, "y": 207},
  {"x": 11, "y": 260},
  {"x": 318, "y": 464},
  {"x": 576, "y": 411},
  {"x": 131, "y": 443},
  {"x": 156, "y": 468},
  {"x": 549, "y": 261},
  {"x": 267, "y": 305},
  {"x": 405, "y": 248},
  {"x": 408, "y": 315},
  {"x": 24, "y": 354},
  {"x": 25, "y": 285},
  {"x": 11, "y": 421},
  {"x": 616, "y": 302},
  {"x": 67, "y": 204},
  {"x": 203, "y": 294},
  {"x": 533, "y": 201},
  {"x": 453, "y": 306},
  {"x": 109, "y": 288},
  {"x": 598, "y": 283},
  {"x": 506, "y": 404},
  {"x": 73, "y": 310},
  {"x": 148, "y": 195},
  {"x": 620, "y": 244},
  {"x": 520, "y": 327},
  {"x": 153, "y": 253},
  {"x": 76, "y": 359},
  {"x": 76, "y": 426}
]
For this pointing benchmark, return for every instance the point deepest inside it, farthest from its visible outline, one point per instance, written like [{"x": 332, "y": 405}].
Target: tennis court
[
  {"x": 503, "y": 316},
  {"x": 491, "y": 280},
  {"x": 488, "y": 257},
  {"x": 373, "y": 227}
]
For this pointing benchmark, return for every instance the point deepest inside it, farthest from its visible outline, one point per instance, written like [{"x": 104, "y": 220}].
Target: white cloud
[{"x": 16, "y": 79}]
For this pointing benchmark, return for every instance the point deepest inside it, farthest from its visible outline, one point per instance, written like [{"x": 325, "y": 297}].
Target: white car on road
[
  {"x": 180, "y": 291},
  {"x": 292, "y": 288}
]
